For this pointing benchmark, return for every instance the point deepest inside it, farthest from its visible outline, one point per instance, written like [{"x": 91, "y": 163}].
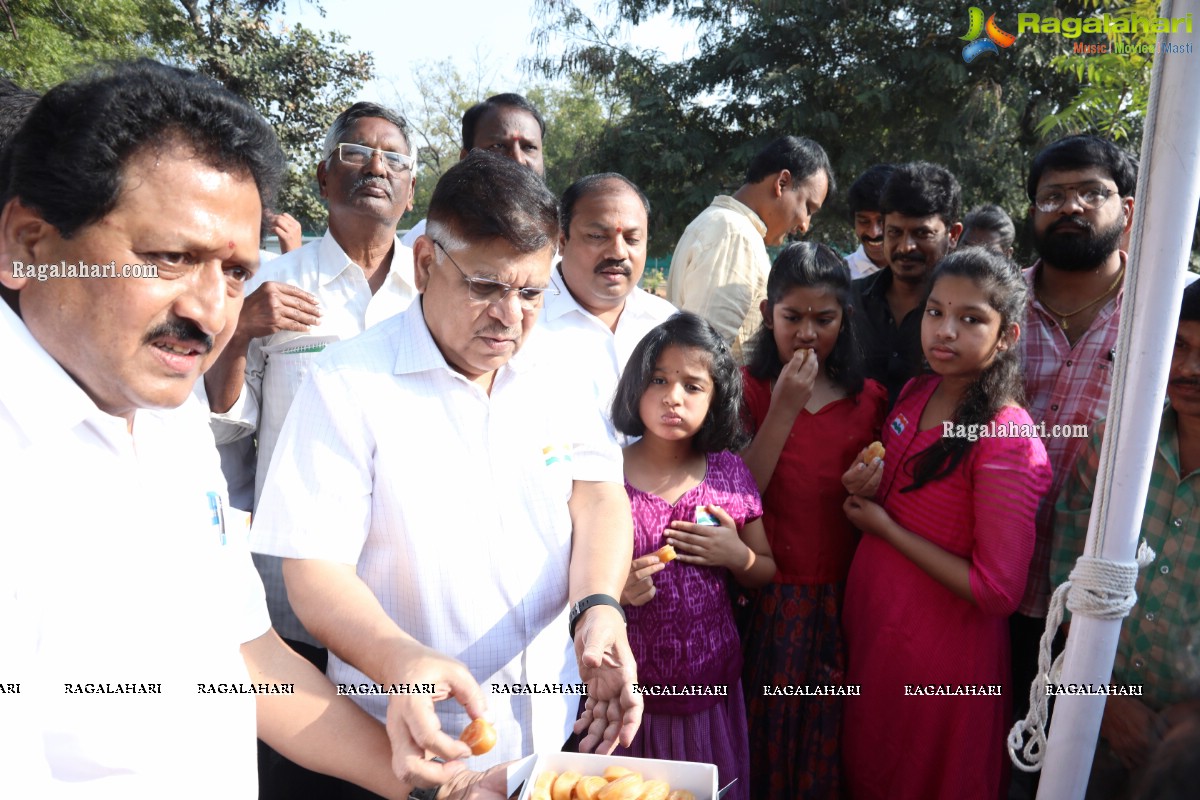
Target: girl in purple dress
[{"x": 682, "y": 393}]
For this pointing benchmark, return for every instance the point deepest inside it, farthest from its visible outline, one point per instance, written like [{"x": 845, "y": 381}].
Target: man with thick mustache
[
  {"x": 334, "y": 288},
  {"x": 600, "y": 314},
  {"x": 920, "y": 204},
  {"x": 128, "y": 601},
  {"x": 1155, "y": 648},
  {"x": 867, "y": 219},
  {"x": 1081, "y": 194}
]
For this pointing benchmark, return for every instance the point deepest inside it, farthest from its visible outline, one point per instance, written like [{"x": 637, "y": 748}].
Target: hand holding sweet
[{"x": 710, "y": 545}]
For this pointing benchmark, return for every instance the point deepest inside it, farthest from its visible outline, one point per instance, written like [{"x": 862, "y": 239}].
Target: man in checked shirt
[{"x": 1081, "y": 193}]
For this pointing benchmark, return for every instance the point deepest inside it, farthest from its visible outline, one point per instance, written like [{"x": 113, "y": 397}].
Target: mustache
[
  {"x": 500, "y": 332},
  {"x": 183, "y": 330},
  {"x": 871, "y": 240},
  {"x": 614, "y": 263},
  {"x": 374, "y": 181},
  {"x": 1078, "y": 223},
  {"x": 1191, "y": 383}
]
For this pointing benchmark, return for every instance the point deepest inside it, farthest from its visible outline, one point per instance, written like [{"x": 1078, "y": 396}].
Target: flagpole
[{"x": 1164, "y": 219}]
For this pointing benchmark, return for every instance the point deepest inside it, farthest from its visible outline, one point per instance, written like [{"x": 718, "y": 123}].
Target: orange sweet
[
  {"x": 480, "y": 736},
  {"x": 666, "y": 553},
  {"x": 654, "y": 790},
  {"x": 589, "y": 787},
  {"x": 874, "y": 450},
  {"x": 626, "y": 787},
  {"x": 541, "y": 786},
  {"x": 563, "y": 785}
]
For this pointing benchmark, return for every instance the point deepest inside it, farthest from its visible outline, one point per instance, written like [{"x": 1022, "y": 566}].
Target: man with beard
[
  {"x": 599, "y": 314},
  {"x": 1153, "y": 651},
  {"x": 867, "y": 219},
  {"x": 920, "y": 204},
  {"x": 358, "y": 274},
  {"x": 1081, "y": 190}
]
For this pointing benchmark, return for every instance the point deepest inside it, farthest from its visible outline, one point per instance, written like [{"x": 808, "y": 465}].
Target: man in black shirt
[{"x": 920, "y": 204}]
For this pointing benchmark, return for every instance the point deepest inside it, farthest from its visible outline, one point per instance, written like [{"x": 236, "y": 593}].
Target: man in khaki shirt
[{"x": 720, "y": 266}]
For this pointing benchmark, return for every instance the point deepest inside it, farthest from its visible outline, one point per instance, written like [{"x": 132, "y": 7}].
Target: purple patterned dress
[{"x": 685, "y": 640}]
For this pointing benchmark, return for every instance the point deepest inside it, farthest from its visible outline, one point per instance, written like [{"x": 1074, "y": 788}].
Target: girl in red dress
[
  {"x": 812, "y": 413},
  {"x": 948, "y": 540}
]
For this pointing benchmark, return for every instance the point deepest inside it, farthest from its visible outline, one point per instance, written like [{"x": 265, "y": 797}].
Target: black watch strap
[
  {"x": 424, "y": 794},
  {"x": 430, "y": 793},
  {"x": 586, "y": 603}
]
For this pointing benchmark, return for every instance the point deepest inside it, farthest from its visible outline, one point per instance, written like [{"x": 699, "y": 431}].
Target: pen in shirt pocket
[{"x": 217, "y": 506}]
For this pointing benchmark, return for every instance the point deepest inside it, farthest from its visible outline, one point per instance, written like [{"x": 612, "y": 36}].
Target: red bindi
[{"x": 230, "y": 244}]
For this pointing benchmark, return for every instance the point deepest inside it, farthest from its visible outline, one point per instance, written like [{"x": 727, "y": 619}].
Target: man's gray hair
[{"x": 356, "y": 112}]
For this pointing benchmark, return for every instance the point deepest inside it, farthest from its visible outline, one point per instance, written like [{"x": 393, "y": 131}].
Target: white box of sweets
[{"x": 699, "y": 779}]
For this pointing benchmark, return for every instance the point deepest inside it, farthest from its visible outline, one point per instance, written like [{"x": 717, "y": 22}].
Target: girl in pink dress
[
  {"x": 948, "y": 540},
  {"x": 681, "y": 392}
]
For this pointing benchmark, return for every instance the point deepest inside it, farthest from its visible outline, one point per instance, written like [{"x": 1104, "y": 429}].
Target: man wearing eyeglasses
[
  {"x": 441, "y": 483},
  {"x": 1081, "y": 204},
  {"x": 356, "y": 275}
]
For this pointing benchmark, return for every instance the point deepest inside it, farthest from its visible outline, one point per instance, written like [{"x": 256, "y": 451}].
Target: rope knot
[{"x": 1096, "y": 588}]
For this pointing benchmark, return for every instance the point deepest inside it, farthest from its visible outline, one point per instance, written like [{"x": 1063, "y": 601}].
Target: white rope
[{"x": 1097, "y": 588}]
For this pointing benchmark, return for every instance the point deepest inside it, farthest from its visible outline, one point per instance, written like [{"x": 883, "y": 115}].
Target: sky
[{"x": 405, "y": 35}]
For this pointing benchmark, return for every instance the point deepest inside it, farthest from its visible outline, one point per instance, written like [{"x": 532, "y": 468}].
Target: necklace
[{"x": 1064, "y": 316}]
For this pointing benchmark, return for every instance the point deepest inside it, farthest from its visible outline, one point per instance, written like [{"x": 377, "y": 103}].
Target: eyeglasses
[
  {"x": 357, "y": 155},
  {"x": 486, "y": 290},
  {"x": 1090, "y": 197}
]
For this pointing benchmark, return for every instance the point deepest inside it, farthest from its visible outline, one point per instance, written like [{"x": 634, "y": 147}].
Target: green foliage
[
  {"x": 870, "y": 80},
  {"x": 1114, "y": 88},
  {"x": 44, "y": 42}
]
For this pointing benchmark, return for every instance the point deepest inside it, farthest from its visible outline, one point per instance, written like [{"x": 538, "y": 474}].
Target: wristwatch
[
  {"x": 591, "y": 600},
  {"x": 430, "y": 793}
]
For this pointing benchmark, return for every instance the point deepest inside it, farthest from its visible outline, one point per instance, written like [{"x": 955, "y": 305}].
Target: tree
[
  {"x": 871, "y": 80},
  {"x": 44, "y": 42}
]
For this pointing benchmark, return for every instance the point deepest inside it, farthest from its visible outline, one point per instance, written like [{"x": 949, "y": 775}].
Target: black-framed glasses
[
  {"x": 1090, "y": 197},
  {"x": 358, "y": 155},
  {"x": 486, "y": 290}
]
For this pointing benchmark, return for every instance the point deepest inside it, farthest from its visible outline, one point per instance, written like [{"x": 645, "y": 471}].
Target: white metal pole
[{"x": 1164, "y": 218}]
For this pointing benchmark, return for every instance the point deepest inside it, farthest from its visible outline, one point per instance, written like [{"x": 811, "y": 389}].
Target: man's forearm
[
  {"x": 341, "y": 611},
  {"x": 602, "y": 539},
  {"x": 315, "y": 727}
]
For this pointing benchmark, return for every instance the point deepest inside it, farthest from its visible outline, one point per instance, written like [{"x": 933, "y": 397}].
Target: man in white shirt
[
  {"x": 356, "y": 275},
  {"x": 439, "y": 484},
  {"x": 133, "y": 622},
  {"x": 600, "y": 314},
  {"x": 867, "y": 219},
  {"x": 505, "y": 124},
  {"x": 720, "y": 267}
]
